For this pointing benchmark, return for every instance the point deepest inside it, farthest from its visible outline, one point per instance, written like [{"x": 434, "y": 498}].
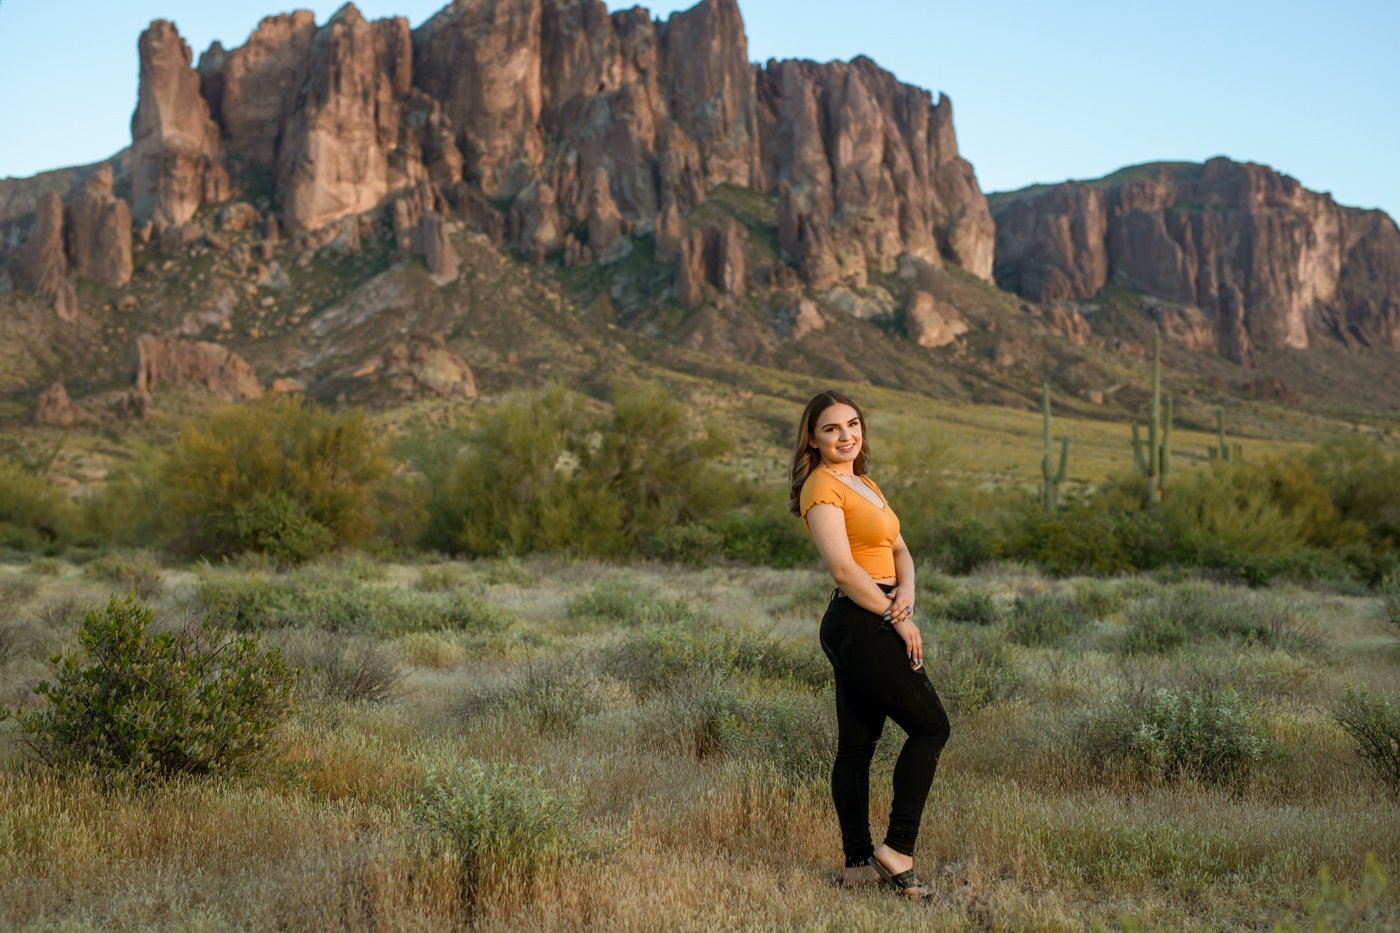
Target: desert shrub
[
  {"x": 1080, "y": 539},
  {"x": 1099, "y": 599},
  {"x": 960, "y": 547},
  {"x": 1192, "y": 611},
  {"x": 138, "y": 572},
  {"x": 440, "y": 578},
  {"x": 281, "y": 477},
  {"x": 192, "y": 701},
  {"x": 1363, "y": 482},
  {"x": 11, "y": 643},
  {"x": 651, "y": 658},
  {"x": 1155, "y": 633},
  {"x": 503, "y": 822},
  {"x": 1264, "y": 508},
  {"x": 972, "y": 669},
  {"x": 542, "y": 472},
  {"x": 255, "y": 601},
  {"x": 1044, "y": 620},
  {"x": 613, "y": 602},
  {"x": 45, "y": 566},
  {"x": 973, "y": 607},
  {"x": 555, "y": 696},
  {"x": 61, "y": 613},
  {"x": 1211, "y": 736},
  {"x": 793, "y": 733},
  {"x": 1373, "y": 721},
  {"x": 694, "y": 543},
  {"x": 34, "y": 514},
  {"x": 339, "y": 668},
  {"x": 1390, "y": 602},
  {"x": 765, "y": 533},
  {"x": 15, "y": 591}
]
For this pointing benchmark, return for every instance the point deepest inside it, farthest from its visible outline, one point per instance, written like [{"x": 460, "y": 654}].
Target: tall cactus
[
  {"x": 1050, "y": 479},
  {"x": 1151, "y": 461},
  {"x": 1222, "y": 451}
]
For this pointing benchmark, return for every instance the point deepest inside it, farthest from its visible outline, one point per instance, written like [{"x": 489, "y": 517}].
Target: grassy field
[{"x": 649, "y": 745}]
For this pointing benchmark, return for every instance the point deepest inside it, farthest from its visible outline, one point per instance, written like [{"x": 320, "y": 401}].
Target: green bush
[
  {"x": 11, "y": 643},
  {"x": 1099, "y": 599},
  {"x": 1045, "y": 620},
  {"x": 1363, "y": 482},
  {"x": 795, "y": 733},
  {"x": 502, "y": 822},
  {"x": 613, "y": 602},
  {"x": 556, "y": 696},
  {"x": 1373, "y": 721},
  {"x": 138, "y": 572},
  {"x": 1155, "y": 633},
  {"x": 350, "y": 670},
  {"x": 254, "y": 601},
  {"x": 766, "y": 533},
  {"x": 1195, "y": 611},
  {"x": 282, "y": 478},
  {"x": 193, "y": 701},
  {"x": 1210, "y": 736},
  {"x": 543, "y": 472},
  {"x": 972, "y": 669},
  {"x": 1390, "y": 602},
  {"x": 34, "y": 514},
  {"x": 651, "y": 658},
  {"x": 973, "y": 607}
]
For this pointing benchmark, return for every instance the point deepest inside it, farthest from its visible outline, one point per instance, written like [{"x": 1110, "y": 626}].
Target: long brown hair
[{"x": 805, "y": 459}]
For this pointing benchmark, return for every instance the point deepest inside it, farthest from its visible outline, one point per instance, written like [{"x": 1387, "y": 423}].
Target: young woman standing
[{"x": 869, "y": 635}]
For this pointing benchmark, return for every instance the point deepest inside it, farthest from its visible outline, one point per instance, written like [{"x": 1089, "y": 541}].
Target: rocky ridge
[{"x": 1248, "y": 257}]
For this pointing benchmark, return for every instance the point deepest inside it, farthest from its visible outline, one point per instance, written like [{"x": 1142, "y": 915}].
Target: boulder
[
  {"x": 931, "y": 324},
  {"x": 164, "y": 360},
  {"x": 604, "y": 220},
  {"x": 426, "y": 361},
  {"x": 55, "y": 408}
]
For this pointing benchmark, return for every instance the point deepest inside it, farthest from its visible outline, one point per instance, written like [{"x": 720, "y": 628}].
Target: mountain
[
  {"x": 520, "y": 190},
  {"x": 1244, "y": 256}
]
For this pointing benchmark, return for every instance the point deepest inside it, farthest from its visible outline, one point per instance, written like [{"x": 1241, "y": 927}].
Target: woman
[{"x": 870, "y": 637}]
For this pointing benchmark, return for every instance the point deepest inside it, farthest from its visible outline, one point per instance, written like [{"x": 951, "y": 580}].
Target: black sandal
[{"x": 906, "y": 882}]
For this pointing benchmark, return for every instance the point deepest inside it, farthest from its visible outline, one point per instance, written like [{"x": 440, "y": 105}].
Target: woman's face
[{"x": 838, "y": 434}]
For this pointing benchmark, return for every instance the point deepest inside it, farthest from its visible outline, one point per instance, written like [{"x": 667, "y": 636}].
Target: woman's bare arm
[{"x": 828, "y": 524}]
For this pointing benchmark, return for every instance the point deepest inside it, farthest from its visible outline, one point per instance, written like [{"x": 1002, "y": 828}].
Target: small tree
[
  {"x": 193, "y": 701},
  {"x": 280, "y": 477}
]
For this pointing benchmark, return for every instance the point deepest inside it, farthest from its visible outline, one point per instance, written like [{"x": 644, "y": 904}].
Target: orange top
[{"x": 871, "y": 530}]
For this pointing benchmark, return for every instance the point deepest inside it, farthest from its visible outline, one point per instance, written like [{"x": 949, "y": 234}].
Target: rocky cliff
[
  {"x": 1270, "y": 263},
  {"x": 577, "y": 127}
]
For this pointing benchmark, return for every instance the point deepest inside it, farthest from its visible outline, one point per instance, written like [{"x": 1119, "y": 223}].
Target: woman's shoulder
[{"x": 821, "y": 486}]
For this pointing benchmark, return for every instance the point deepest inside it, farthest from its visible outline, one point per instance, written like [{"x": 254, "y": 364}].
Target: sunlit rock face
[
  {"x": 564, "y": 117},
  {"x": 1271, "y": 263}
]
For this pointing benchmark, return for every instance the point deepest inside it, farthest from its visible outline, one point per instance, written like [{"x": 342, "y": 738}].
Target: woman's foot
[
  {"x": 897, "y": 869},
  {"x": 854, "y": 877}
]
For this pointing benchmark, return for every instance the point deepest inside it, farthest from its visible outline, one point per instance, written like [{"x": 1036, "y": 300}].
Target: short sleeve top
[{"x": 871, "y": 530}]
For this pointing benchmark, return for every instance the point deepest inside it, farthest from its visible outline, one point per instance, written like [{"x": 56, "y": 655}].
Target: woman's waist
[{"x": 885, "y": 584}]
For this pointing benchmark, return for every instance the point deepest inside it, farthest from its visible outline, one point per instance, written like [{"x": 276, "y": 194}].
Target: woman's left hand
[{"x": 901, "y": 608}]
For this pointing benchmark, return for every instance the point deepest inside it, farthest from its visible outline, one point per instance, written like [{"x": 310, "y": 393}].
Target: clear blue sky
[{"x": 1042, "y": 90}]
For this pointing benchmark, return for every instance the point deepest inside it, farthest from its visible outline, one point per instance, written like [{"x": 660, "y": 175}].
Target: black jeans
[{"x": 874, "y": 681}]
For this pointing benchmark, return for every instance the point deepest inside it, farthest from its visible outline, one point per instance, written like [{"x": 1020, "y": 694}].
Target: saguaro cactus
[
  {"x": 1151, "y": 461},
  {"x": 1222, "y": 451},
  {"x": 1051, "y": 479}
]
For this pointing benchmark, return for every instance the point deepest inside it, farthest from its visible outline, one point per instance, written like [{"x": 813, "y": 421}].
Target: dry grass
[{"x": 1020, "y": 831}]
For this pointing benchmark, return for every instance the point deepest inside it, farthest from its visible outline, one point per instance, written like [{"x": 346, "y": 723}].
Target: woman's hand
[
  {"x": 901, "y": 606},
  {"x": 913, "y": 643}
]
